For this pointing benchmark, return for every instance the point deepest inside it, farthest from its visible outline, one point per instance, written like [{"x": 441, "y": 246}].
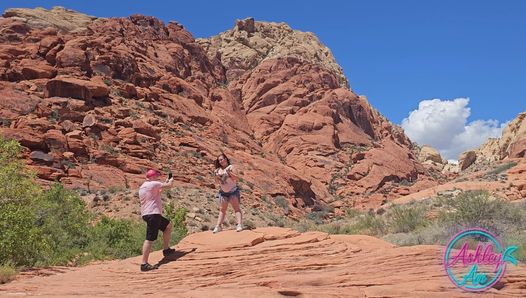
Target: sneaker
[
  {"x": 239, "y": 228},
  {"x": 217, "y": 229},
  {"x": 147, "y": 267},
  {"x": 168, "y": 251}
]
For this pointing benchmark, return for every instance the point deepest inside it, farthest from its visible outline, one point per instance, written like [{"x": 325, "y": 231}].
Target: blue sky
[{"x": 397, "y": 53}]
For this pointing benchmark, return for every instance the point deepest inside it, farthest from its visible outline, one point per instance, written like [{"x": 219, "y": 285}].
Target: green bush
[
  {"x": 52, "y": 227},
  {"x": 281, "y": 201},
  {"x": 351, "y": 213},
  {"x": 17, "y": 184},
  {"x": 502, "y": 168},
  {"x": 61, "y": 216},
  {"x": 249, "y": 225},
  {"x": 478, "y": 209},
  {"x": 115, "y": 238},
  {"x": 317, "y": 216},
  {"x": 7, "y": 273},
  {"x": 338, "y": 228},
  {"x": 409, "y": 224},
  {"x": 370, "y": 225},
  {"x": 177, "y": 216},
  {"x": 403, "y": 219},
  {"x": 20, "y": 239},
  {"x": 517, "y": 238}
]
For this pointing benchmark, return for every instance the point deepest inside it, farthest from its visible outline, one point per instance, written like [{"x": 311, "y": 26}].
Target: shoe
[
  {"x": 147, "y": 267},
  {"x": 168, "y": 251},
  {"x": 217, "y": 229},
  {"x": 239, "y": 228}
]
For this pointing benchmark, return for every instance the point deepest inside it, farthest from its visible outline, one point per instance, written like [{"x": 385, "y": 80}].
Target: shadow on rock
[{"x": 174, "y": 257}]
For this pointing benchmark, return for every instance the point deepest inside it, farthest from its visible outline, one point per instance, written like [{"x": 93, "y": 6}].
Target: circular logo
[{"x": 475, "y": 259}]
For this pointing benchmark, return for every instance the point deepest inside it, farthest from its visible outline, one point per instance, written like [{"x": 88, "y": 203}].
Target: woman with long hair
[{"x": 226, "y": 176}]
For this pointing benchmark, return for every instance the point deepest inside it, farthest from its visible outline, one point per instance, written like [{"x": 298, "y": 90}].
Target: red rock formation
[
  {"x": 512, "y": 143},
  {"x": 298, "y": 111},
  {"x": 120, "y": 95}
]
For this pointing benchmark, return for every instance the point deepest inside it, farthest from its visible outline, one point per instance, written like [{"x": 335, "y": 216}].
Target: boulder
[
  {"x": 75, "y": 88},
  {"x": 428, "y": 153},
  {"x": 467, "y": 159},
  {"x": 41, "y": 158}
]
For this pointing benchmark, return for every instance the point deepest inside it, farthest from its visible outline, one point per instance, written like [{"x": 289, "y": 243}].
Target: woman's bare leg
[
  {"x": 234, "y": 201},
  {"x": 222, "y": 212}
]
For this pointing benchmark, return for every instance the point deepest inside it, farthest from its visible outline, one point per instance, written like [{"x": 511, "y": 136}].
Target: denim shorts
[{"x": 234, "y": 193}]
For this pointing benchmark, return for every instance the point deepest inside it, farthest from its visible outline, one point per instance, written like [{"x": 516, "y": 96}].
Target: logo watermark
[{"x": 475, "y": 259}]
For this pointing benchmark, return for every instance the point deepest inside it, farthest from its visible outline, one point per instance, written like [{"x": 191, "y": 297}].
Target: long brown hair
[{"x": 218, "y": 164}]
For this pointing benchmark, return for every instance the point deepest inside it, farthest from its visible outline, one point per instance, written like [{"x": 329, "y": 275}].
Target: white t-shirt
[
  {"x": 150, "y": 196},
  {"x": 227, "y": 183}
]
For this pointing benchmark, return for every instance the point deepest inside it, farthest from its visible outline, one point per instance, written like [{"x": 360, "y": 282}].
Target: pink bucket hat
[{"x": 152, "y": 173}]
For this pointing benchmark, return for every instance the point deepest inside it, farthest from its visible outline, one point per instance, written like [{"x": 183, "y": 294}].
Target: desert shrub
[
  {"x": 249, "y": 225},
  {"x": 17, "y": 184},
  {"x": 478, "y": 209},
  {"x": 7, "y": 273},
  {"x": 115, "y": 189},
  {"x": 403, "y": 239},
  {"x": 369, "y": 224},
  {"x": 517, "y": 238},
  {"x": 276, "y": 220},
  {"x": 115, "y": 238},
  {"x": 351, "y": 213},
  {"x": 363, "y": 224},
  {"x": 502, "y": 168},
  {"x": 177, "y": 216},
  {"x": 281, "y": 201},
  {"x": 406, "y": 218},
  {"x": 20, "y": 239},
  {"x": 432, "y": 233},
  {"x": 317, "y": 216},
  {"x": 63, "y": 224},
  {"x": 304, "y": 226},
  {"x": 337, "y": 228}
]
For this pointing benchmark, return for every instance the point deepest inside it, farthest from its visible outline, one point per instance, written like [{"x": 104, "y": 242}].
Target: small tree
[{"x": 19, "y": 238}]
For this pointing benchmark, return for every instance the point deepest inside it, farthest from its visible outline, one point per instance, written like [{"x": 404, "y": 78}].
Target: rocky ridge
[
  {"x": 512, "y": 144},
  {"x": 249, "y": 43},
  {"x": 60, "y": 18}
]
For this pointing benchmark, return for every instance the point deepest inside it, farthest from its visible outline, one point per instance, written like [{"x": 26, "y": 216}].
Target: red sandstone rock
[
  {"x": 146, "y": 129},
  {"x": 55, "y": 140},
  {"x": 146, "y": 95},
  {"x": 27, "y": 138},
  {"x": 41, "y": 157},
  {"x": 272, "y": 262},
  {"x": 518, "y": 149},
  {"x": 15, "y": 103},
  {"x": 75, "y": 88}
]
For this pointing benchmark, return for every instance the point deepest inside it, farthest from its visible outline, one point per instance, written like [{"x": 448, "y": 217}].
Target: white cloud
[{"x": 443, "y": 125}]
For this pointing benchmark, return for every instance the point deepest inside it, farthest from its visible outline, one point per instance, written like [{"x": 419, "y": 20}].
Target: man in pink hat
[{"x": 151, "y": 211}]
